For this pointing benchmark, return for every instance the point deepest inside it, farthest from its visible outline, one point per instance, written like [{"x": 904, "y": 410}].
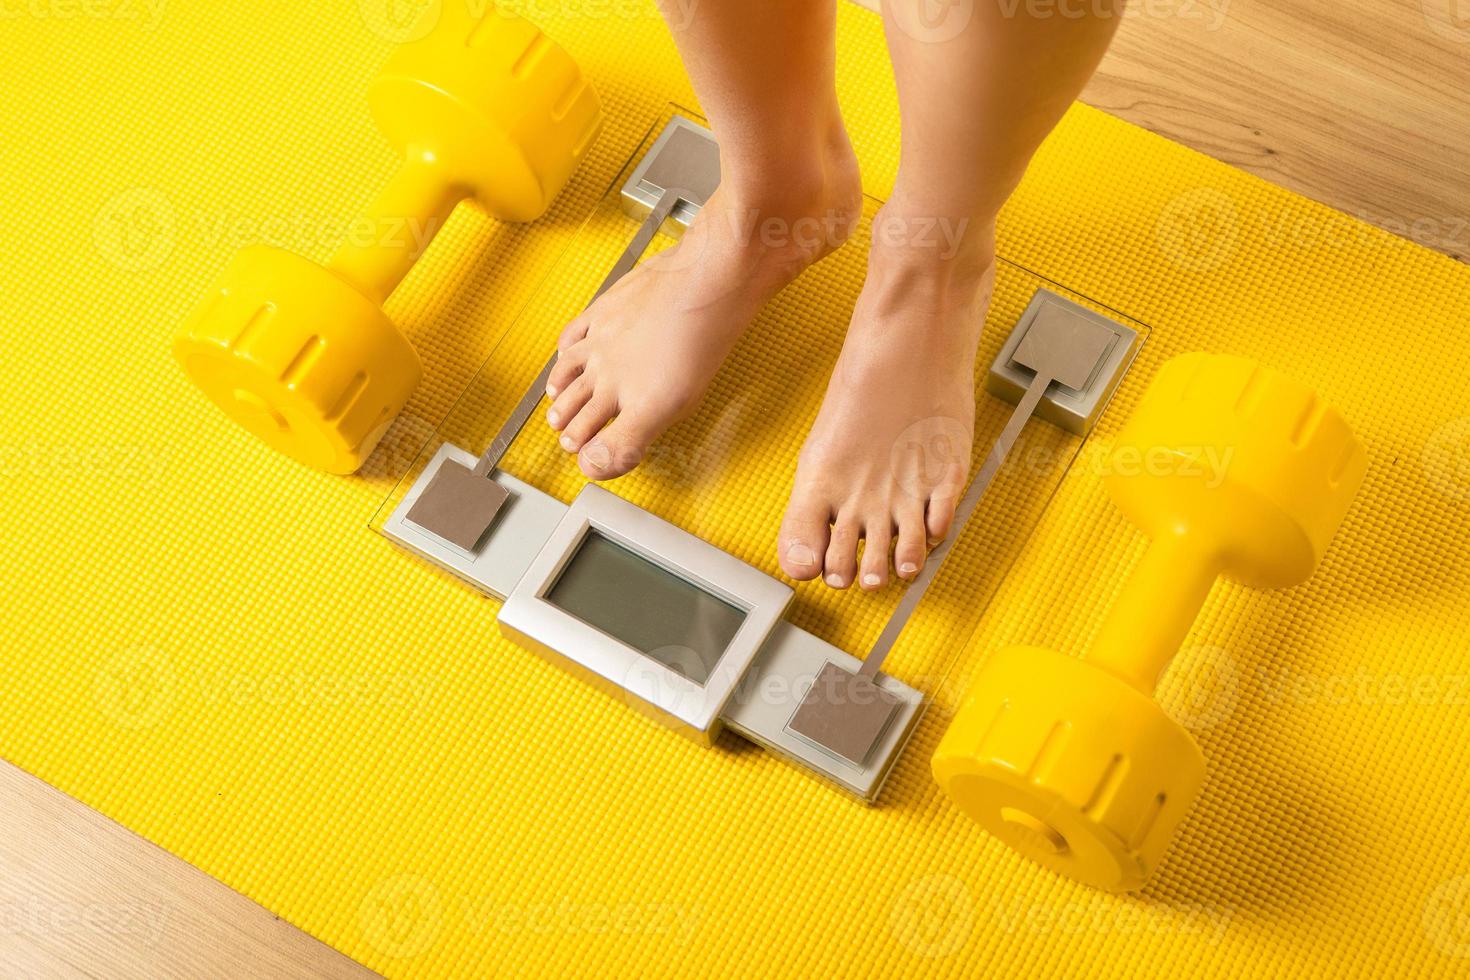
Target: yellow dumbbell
[
  {"x": 1231, "y": 469},
  {"x": 486, "y": 108}
]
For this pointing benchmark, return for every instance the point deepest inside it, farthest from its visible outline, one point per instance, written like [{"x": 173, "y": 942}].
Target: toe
[
  {"x": 569, "y": 366},
  {"x": 945, "y": 497},
  {"x": 570, "y": 402},
  {"x": 574, "y": 334},
  {"x": 589, "y": 421},
  {"x": 804, "y": 533},
  {"x": 840, "y": 565},
  {"x": 939, "y": 516},
  {"x": 911, "y": 550},
  {"x": 620, "y": 447},
  {"x": 878, "y": 542}
]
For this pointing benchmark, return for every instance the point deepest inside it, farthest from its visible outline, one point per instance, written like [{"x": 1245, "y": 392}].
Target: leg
[
  {"x": 889, "y": 455},
  {"x": 643, "y": 355}
]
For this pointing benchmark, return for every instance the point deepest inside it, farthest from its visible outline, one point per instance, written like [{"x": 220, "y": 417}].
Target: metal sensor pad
[
  {"x": 684, "y": 159},
  {"x": 499, "y": 558},
  {"x": 1102, "y": 350},
  {"x": 458, "y": 505}
]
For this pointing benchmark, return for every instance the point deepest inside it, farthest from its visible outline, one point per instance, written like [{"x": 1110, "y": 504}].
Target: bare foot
[
  {"x": 641, "y": 358},
  {"x": 889, "y": 455}
]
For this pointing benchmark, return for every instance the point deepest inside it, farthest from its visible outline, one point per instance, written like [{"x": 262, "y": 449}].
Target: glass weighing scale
[{"x": 661, "y": 588}]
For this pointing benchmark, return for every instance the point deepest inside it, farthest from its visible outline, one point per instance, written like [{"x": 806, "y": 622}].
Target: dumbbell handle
[
  {"x": 1153, "y": 614},
  {"x": 387, "y": 239}
]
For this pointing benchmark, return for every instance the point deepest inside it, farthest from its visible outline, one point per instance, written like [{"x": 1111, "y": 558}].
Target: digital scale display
[{"x": 666, "y": 618}]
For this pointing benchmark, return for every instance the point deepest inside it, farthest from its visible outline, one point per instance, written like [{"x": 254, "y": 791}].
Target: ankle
[
  {"x": 938, "y": 248},
  {"x": 792, "y": 174}
]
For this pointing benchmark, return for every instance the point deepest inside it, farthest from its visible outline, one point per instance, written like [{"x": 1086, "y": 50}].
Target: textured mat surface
[{"x": 206, "y": 643}]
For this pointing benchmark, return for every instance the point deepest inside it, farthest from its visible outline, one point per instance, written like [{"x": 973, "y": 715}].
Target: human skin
[{"x": 888, "y": 456}]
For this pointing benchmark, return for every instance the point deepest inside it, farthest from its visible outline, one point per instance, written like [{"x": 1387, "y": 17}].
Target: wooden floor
[
  {"x": 1363, "y": 105},
  {"x": 82, "y": 897}
]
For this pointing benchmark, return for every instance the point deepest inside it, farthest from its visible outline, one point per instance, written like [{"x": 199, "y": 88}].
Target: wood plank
[
  {"x": 80, "y": 896},
  {"x": 1362, "y": 105}
]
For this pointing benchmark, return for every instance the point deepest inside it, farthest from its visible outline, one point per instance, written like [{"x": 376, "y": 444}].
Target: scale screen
[{"x": 662, "y": 616}]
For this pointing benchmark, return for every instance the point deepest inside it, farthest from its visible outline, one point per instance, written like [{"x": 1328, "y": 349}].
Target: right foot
[{"x": 642, "y": 356}]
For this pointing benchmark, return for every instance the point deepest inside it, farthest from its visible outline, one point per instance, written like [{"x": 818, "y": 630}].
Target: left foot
[
  {"x": 889, "y": 455},
  {"x": 641, "y": 357}
]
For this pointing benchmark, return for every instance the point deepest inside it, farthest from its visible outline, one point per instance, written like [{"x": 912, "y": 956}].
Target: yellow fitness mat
[{"x": 207, "y": 643}]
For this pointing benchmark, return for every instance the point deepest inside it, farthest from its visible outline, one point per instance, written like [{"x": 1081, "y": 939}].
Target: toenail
[
  {"x": 553, "y": 417},
  {"x": 908, "y": 568},
  {"x": 800, "y": 554},
  {"x": 568, "y": 444},
  {"x": 598, "y": 455},
  {"x": 872, "y": 581},
  {"x": 836, "y": 581}
]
